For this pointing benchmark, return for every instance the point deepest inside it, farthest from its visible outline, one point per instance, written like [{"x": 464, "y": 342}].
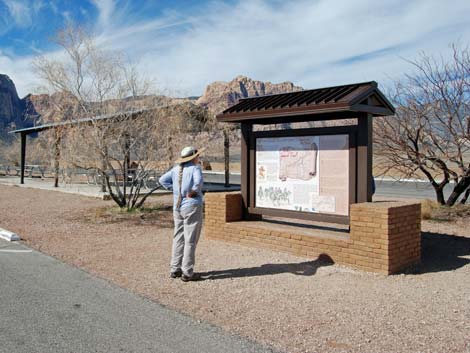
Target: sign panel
[{"x": 303, "y": 173}]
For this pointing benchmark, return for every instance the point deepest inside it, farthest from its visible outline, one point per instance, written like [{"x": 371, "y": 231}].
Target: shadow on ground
[
  {"x": 307, "y": 268},
  {"x": 442, "y": 252}
]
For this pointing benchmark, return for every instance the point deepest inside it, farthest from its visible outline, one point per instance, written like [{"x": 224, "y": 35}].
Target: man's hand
[{"x": 191, "y": 194}]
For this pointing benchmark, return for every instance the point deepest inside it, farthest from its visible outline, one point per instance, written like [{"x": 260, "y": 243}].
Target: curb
[{"x": 8, "y": 236}]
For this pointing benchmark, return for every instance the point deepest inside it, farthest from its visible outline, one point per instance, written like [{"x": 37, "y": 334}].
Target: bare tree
[
  {"x": 430, "y": 133},
  {"x": 105, "y": 90}
]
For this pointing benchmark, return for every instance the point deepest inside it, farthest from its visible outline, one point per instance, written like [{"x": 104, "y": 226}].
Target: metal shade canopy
[
  {"x": 315, "y": 104},
  {"x": 36, "y": 129}
]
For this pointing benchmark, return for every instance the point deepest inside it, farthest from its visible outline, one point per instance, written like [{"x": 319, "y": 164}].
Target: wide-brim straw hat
[{"x": 188, "y": 154}]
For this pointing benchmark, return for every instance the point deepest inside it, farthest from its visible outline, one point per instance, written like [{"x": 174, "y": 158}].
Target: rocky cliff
[
  {"x": 220, "y": 95},
  {"x": 12, "y": 108}
]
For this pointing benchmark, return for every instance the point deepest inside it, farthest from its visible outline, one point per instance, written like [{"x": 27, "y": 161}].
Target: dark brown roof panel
[
  {"x": 347, "y": 90},
  {"x": 345, "y": 98}
]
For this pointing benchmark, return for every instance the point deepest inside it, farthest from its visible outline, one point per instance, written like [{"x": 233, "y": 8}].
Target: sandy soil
[{"x": 291, "y": 303}]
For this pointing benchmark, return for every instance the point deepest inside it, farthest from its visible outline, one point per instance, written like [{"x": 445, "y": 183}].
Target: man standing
[{"x": 185, "y": 180}]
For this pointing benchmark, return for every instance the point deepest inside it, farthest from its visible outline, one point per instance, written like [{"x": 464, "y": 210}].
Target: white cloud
[
  {"x": 20, "y": 12},
  {"x": 304, "y": 41},
  {"x": 67, "y": 16},
  {"x": 21, "y": 72},
  {"x": 106, "y": 9},
  {"x": 53, "y": 7},
  {"x": 312, "y": 43},
  {"x": 37, "y": 5}
]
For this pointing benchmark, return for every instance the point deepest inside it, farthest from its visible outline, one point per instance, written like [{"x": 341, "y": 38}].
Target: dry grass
[
  {"x": 427, "y": 208},
  {"x": 154, "y": 214},
  {"x": 431, "y": 210}
]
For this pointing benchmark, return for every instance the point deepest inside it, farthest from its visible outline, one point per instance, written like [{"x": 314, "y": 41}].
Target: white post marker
[{"x": 9, "y": 236}]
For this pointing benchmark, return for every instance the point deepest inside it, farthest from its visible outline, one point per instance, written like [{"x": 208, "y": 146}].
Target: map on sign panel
[
  {"x": 298, "y": 164},
  {"x": 306, "y": 173}
]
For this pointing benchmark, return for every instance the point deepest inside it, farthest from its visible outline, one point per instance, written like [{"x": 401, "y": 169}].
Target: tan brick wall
[{"x": 384, "y": 237}]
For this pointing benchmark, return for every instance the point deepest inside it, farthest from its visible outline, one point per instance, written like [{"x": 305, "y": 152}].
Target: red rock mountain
[
  {"x": 220, "y": 95},
  {"x": 17, "y": 113}
]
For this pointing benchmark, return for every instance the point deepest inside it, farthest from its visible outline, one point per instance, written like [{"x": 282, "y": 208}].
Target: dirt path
[{"x": 296, "y": 304}]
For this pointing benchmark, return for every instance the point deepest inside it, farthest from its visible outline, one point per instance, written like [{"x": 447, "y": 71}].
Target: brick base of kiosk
[{"x": 384, "y": 237}]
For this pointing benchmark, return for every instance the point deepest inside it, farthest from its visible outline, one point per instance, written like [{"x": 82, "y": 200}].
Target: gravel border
[{"x": 291, "y": 303}]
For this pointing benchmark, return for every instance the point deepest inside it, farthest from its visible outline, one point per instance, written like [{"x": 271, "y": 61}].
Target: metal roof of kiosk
[{"x": 314, "y": 104}]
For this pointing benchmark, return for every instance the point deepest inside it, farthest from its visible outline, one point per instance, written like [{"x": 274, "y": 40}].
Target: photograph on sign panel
[{"x": 290, "y": 175}]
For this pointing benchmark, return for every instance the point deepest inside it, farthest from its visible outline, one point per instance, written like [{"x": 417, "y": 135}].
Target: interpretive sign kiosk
[{"x": 315, "y": 174}]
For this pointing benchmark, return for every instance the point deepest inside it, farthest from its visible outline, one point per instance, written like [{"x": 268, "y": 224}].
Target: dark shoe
[
  {"x": 176, "y": 274},
  {"x": 194, "y": 277}
]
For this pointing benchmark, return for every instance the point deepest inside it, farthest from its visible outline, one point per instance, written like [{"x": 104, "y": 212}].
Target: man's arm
[
  {"x": 197, "y": 182},
  {"x": 166, "y": 180}
]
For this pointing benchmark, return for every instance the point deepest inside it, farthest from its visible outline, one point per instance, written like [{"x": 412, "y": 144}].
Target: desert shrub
[
  {"x": 431, "y": 210},
  {"x": 427, "y": 208}
]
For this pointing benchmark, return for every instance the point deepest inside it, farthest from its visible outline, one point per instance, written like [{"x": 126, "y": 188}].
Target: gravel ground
[{"x": 291, "y": 303}]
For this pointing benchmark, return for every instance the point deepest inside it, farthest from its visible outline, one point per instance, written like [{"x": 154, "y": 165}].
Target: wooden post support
[
  {"x": 56, "y": 158},
  {"x": 104, "y": 167},
  {"x": 227, "y": 157},
  {"x": 23, "y": 156},
  {"x": 364, "y": 158},
  {"x": 127, "y": 163},
  {"x": 246, "y": 130}
]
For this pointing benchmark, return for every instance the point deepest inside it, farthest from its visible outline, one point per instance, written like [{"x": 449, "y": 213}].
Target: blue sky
[{"x": 184, "y": 45}]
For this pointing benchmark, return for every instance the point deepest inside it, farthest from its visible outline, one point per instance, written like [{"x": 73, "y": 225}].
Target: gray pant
[{"x": 188, "y": 224}]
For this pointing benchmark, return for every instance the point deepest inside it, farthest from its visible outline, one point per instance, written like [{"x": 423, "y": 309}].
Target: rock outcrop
[
  {"x": 220, "y": 95},
  {"x": 12, "y": 108}
]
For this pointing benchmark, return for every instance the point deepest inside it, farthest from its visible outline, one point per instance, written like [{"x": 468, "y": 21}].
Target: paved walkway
[
  {"x": 48, "y": 306},
  {"x": 48, "y": 184},
  {"x": 213, "y": 183}
]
